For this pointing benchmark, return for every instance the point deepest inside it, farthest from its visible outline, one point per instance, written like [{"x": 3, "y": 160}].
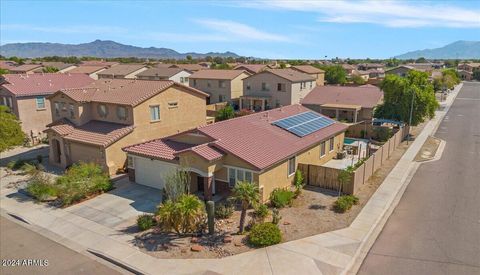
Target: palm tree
[{"x": 248, "y": 195}]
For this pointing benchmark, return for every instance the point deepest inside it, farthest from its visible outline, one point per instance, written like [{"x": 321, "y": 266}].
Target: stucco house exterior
[
  {"x": 93, "y": 123},
  {"x": 221, "y": 85},
  {"x": 274, "y": 88},
  {"x": 175, "y": 74},
  {"x": 344, "y": 103},
  {"x": 122, "y": 71},
  {"x": 26, "y": 96},
  {"x": 317, "y": 73},
  {"x": 249, "y": 148}
]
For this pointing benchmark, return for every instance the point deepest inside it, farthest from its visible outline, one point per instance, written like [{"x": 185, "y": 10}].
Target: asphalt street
[
  {"x": 20, "y": 243},
  {"x": 435, "y": 229}
]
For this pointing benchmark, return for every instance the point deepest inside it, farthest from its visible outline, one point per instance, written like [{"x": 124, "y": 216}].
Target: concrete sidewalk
[{"x": 335, "y": 252}]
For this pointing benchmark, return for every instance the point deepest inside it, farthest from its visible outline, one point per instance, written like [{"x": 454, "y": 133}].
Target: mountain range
[
  {"x": 456, "y": 50},
  {"x": 98, "y": 48}
]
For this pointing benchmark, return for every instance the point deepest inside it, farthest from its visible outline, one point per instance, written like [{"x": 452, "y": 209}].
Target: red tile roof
[
  {"x": 367, "y": 96},
  {"x": 252, "y": 68},
  {"x": 252, "y": 138},
  {"x": 25, "y": 68},
  {"x": 122, "y": 91},
  {"x": 289, "y": 74},
  {"x": 308, "y": 69},
  {"x": 43, "y": 84},
  {"x": 86, "y": 69},
  {"x": 206, "y": 151},
  {"x": 94, "y": 132}
]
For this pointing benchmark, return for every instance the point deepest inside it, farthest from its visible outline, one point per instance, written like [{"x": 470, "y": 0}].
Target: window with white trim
[
  {"x": 322, "y": 149},
  {"x": 237, "y": 174},
  {"x": 291, "y": 166},
  {"x": 331, "y": 141},
  {"x": 102, "y": 110},
  {"x": 122, "y": 112},
  {"x": 40, "y": 101},
  {"x": 155, "y": 113}
]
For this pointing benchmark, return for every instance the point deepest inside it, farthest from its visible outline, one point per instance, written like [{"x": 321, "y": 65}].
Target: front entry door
[{"x": 200, "y": 184}]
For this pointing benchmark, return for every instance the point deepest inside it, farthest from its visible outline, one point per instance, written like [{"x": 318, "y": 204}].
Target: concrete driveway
[{"x": 119, "y": 208}]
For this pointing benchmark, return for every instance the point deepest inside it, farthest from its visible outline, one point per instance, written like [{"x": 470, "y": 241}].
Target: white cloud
[
  {"x": 235, "y": 30},
  {"x": 387, "y": 13}
]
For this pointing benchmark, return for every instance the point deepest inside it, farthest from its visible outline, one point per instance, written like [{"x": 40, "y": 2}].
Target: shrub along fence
[{"x": 326, "y": 177}]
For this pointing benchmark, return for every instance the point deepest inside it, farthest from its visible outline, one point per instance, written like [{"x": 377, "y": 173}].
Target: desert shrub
[
  {"x": 176, "y": 185},
  {"x": 80, "y": 181},
  {"x": 145, "y": 221},
  {"x": 260, "y": 213},
  {"x": 41, "y": 188},
  {"x": 382, "y": 133},
  {"x": 344, "y": 203},
  {"x": 17, "y": 164},
  {"x": 280, "y": 198},
  {"x": 224, "y": 210},
  {"x": 264, "y": 234},
  {"x": 186, "y": 215}
]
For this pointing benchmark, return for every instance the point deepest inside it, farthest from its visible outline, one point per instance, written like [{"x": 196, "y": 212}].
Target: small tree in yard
[
  {"x": 10, "y": 130},
  {"x": 343, "y": 178},
  {"x": 177, "y": 184},
  {"x": 226, "y": 113},
  {"x": 248, "y": 195},
  {"x": 298, "y": 181}
]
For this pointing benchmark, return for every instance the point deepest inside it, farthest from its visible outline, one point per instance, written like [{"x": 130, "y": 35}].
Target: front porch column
[
  {"x": 208, "y": 188},
  {"x": 240, "y": 103},
  {"x": 355, "y": 116}
]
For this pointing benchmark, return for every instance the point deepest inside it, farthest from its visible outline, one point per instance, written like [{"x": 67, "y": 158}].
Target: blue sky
[{"x": 271, "y": 29}]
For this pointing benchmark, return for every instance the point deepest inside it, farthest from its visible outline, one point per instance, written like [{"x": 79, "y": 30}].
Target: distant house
[
  {"x": 348, "y": 68},
  {"x": 465, "y": 75},
  {"x": 221, "y": 85},
  {"x": 93, "y": 123},
  {"x": 91, "y": 71},
  {"x": 401, "y": 70},
  {"x": 101, "y": 63},
  {"x": 310, "y": 70},
  {"x": 7, "y": 65},
  {"x": 175, "y": 74},
  {"x": 256, "y": 148},
  {"x": 363, "y": 74},
  {"x": 189, "y": 67},
  {"x": 469, "y": 67},
  {"x": 252, "y": 68},
  {"x": 122, "y": 71},
  {"x": 274, "y": 88},
  {"x": 25, "y": 96},
  {"x": 370, "y": 66},
  {"x": 25, "y": 69},
  {"x": 343, "y": 103},
  {"x": 60, "y": 66}
]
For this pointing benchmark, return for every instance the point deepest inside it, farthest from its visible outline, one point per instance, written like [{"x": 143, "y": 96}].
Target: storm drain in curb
[{"x": 115, "y": 262}]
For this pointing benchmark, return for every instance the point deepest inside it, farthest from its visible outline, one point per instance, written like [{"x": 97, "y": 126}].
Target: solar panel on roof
[{"x": 304, "y": 124}]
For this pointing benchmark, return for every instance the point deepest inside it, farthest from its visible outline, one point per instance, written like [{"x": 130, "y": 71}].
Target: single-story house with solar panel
[{"x": 264, "y": 148}]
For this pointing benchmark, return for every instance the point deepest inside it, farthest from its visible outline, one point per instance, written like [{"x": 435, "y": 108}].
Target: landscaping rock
[
  {"x": 196, "y": 248},
  {"x": 228, "y": 239},
  {"x": 286, "y": 223},
  {"x": 238, "y": 244}
]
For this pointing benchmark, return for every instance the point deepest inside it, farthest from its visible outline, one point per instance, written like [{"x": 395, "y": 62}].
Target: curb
[{"x": 375, "y": 230}]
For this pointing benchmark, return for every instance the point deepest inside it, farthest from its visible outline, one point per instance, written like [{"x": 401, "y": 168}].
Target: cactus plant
[{"x": 211, "y": 216}]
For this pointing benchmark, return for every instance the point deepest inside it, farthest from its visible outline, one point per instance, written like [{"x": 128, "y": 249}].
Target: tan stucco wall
[
  {"x": 232, "y": 90},
  {"x": 277, "y": 176}
]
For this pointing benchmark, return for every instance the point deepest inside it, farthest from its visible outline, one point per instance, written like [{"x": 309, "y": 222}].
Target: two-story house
[
  {"x": 275, "y": 88},
  {"x": 175, "y": 74},
  {"x": 93, "y": 123},
  {"x": 221, "y": 85},
  {"x": 25, "y": 96}
]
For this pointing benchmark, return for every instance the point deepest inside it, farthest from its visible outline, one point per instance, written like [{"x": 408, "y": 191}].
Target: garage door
[{"x": 152, "y": 172}]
